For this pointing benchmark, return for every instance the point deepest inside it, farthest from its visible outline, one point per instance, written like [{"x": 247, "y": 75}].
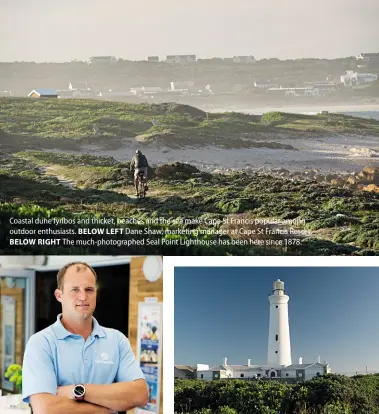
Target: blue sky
[{"x": 224, "y": 312}]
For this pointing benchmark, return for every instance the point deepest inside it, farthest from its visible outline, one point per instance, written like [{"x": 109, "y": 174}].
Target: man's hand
[{"x": 66, "y": 391}]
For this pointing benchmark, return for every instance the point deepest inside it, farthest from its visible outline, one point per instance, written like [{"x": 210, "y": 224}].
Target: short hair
[{"x": 79, "y": 266}]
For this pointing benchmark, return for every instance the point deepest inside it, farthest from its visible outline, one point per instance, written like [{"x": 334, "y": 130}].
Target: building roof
[
  {"x": 245, "y": 367},
  {"x": 370, "y": 54},
  {"x": 186, "y": 369},
  {"x": 193, "y": 369},
  {"x": 44, "y": 92},
  {"x": 304, "y": 366},
  {"x": 219, "y": 367}
]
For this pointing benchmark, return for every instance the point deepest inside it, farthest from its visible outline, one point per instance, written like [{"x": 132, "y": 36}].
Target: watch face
[{"x": 79, "y": 391}]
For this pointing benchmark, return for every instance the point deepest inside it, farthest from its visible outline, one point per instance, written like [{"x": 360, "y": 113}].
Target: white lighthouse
[{"x": 279, "y": 345}]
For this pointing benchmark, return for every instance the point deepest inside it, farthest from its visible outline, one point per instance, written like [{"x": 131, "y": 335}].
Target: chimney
[
  {"x": 318, "y": 359},
  {"x": 300, "y": 360},
  {"x": 225, "y": 361},
  {"x": 248, "y": 362}
]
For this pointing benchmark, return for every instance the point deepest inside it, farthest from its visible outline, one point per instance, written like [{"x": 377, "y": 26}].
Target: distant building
[
  {"x": 5, "y": 93},
  {"x": 352, "y": 78},
  {"x": 153, "y": 58},
  {"x": 300, "y": 371},
  {"x": 264, "y": 85},
  {"x": 99, "y": 60},
  {"x": 43, "y": 93},
  {"x": 181, "y": 59},
  {"x": 244, "y": 59},
  {"x": 184, "y": 372},
  {"x": 300, "y": 91},
  {"x": 368, "y": 57},
  {"x": 182, "y": 85},
  {"x": 147, "y": 90}
]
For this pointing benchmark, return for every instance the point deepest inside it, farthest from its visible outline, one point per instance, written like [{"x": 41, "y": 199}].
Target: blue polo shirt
[{"x": 55, "y": 357}]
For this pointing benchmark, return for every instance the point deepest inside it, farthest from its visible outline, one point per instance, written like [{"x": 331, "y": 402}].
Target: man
[
  {"x": 76, "y": 365},
  {"x": 139, "y": 164}
]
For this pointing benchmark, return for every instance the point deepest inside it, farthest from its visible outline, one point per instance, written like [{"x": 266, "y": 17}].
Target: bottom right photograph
[{"x": 272, "y": 340}]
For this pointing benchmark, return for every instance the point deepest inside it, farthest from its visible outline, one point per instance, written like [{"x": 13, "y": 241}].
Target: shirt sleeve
[
  {"x": 128, "y": 369},
  {"x": 38, "y": 373}
]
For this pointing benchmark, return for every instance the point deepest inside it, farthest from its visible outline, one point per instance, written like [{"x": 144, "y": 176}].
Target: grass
[
  {"x": 80, "y": 119},
  {"x": 341, "y": 222}
]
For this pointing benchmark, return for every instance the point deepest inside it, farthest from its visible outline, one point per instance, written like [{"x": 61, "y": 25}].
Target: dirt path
[{"x": 51, "y": 171}]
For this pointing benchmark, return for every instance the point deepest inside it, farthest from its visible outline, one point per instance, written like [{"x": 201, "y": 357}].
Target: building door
[{"x": 17, "y": 304}]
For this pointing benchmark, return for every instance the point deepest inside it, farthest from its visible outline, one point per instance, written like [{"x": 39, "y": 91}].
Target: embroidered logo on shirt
[{"x": 104, "y": 359}]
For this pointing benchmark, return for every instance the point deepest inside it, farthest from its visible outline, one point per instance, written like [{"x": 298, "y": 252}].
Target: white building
[
  {"x": 368, "y": 57},
  {"x": 279, "y": 361},
  {"x": 352, "y": 78},
  {"x": 182, "y": 85},
  {"x": 98, "y": 60},
  {"x": 146, "y": 90},
  {"x": 298, "y": 91},
  {"x": 244, "y": 59},
  {"x": 181, "y": 59}
]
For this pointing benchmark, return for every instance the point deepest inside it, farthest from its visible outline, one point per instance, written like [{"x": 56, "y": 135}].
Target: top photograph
[{"x": 244, "y": 128}]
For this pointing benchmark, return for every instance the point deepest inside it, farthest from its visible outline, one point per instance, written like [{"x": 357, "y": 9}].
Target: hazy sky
[
  {"x": 224, "y": 312},
  {"x": 47, "y": 30}
]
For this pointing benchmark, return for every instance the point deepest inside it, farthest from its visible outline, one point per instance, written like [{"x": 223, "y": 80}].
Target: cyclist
[{"x": 139, "y": 164}]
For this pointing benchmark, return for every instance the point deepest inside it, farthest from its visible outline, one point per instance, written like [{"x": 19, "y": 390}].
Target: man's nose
[{"x": 82, "y": 295}]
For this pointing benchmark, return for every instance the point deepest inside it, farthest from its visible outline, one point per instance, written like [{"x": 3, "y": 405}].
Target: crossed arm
[{"x": 99, "y": 399}]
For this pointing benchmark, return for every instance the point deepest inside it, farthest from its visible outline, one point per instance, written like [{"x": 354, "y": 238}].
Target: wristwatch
[{"x": 79, "y": 392}]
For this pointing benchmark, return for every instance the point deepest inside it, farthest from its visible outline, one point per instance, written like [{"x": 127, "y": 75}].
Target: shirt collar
[{"x": 63, "y": 333}]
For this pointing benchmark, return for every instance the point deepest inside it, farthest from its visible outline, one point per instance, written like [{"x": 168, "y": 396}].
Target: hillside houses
[
  {"x": 244, "y": 59},
  {"x": 352, "y": 78},
  {"x": 101, "y": 60},
  {"x": 43, "y": 93},
  {"x": 368, "y": 57},
  {"x": 182, "y": 59}
]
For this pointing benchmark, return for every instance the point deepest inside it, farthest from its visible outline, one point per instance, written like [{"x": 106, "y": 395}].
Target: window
[
  {"x": 277, "y": 306},
  {"x": 318, "y": 374},
  {"x": 242, "y": 375},
  {"x": 287, "y": 375},
  {"x": 258, "y": 375},
  {"x": 276, "y": 352},
  {"x": 276, "y": 337},
  {"x": 202, "y": 375}
]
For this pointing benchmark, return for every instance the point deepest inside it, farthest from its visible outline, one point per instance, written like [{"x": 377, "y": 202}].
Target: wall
[{"x": 140, "y": 288}]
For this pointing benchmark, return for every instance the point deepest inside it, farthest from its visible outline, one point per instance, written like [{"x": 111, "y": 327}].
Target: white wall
[{"x": 279, "y": 325}]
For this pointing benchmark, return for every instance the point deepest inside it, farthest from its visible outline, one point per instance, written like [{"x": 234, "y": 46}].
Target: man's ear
[{"x": 58, "y": 295}]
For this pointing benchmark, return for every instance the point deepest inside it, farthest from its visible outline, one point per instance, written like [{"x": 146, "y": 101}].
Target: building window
[
  {"x": 216, "y": 375},
  {"x": 258, "y": 375},
  {"x": 202, "y": 375},
  {"x": 276, "y": 352},
  {"x": 276, "y": 337},
  {"x": 242, "y": 375},
  {"x": 287, "y": 375},
  {"x": 277, "y": 306},
  {"x": 318, "y": 374}
]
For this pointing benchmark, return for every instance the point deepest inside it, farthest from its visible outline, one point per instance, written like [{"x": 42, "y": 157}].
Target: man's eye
[
  {"x": 89, "y": 290},
  {"x": 75, "y": 289}
]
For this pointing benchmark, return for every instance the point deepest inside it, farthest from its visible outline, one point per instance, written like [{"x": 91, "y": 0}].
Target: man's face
[{"x": 78, "y": 296}]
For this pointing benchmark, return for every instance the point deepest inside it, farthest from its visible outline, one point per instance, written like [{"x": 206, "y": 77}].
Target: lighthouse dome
[{"x": 278, "y": 285}]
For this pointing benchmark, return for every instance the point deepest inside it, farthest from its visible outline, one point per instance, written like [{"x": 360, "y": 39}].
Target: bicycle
[{"x": 141, "y": 193}]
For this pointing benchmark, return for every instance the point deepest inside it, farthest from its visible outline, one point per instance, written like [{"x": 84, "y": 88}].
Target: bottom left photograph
[{"x": 81, "y": 330}]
